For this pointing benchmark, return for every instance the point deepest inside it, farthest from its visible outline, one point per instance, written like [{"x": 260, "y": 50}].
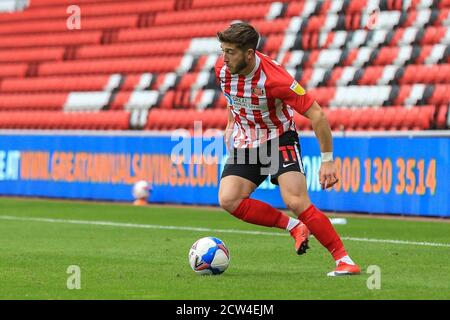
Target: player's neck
[{"x": 250, "y": 67}]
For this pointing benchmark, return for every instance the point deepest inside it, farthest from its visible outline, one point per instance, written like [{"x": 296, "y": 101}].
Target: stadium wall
[{"x": 388, "y": 173}]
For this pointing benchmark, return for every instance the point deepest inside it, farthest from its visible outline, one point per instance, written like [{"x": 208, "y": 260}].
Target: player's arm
[
  {"x": 327, "y": 173},
  {"x": 293, "y": 94},
  {"x": 229, "y": 128}
]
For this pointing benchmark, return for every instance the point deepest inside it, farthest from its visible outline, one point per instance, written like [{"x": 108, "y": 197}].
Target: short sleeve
[{"x": 291, "y": 93}]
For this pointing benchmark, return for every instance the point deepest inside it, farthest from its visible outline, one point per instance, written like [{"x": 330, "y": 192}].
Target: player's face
[{"x": 234, "y": 58}]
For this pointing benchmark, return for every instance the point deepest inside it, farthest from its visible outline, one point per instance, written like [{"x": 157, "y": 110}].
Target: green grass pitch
[{"x": 119, "y": 261}]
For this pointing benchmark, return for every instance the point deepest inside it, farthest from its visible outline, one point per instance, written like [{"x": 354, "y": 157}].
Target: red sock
[
  {"x": 320, "y": 226},
  {"x": 260, "y": 213}
]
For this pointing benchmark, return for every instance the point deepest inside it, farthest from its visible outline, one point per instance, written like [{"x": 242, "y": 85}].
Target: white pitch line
[
  {"x": 249, "y": 232},
  {"x": 430, "y": 244}
]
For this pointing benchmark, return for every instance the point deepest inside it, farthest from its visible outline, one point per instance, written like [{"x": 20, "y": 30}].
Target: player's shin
[{"x": 322, "y": 229}]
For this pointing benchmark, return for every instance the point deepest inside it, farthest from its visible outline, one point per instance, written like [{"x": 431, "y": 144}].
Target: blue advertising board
[{"x": 378, "y": 174}]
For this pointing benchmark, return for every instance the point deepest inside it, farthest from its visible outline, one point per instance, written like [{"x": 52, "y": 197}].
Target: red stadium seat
[
  {"x": 32, "y": 101},
  {"x": 167, "y": 101},
  {"x": 51, "y": 3},
  {"x": 225, "y": 14},
  {"x": 380, "y": 119},
  {"x": 386, "y": 117},
  {"x": 365, "y": 118},
  {"x": 342, "y": 116},
  {"x": 54, "y": 120},
  {"x": 332, "y": 119},
  {"x": 49, "y": 40},
  {"x": 386, "y": 56},
  {"x": 141, "y": 49},
  {"x": 273, "y": 43},
  {"x": 92, "y": 9},
  {"x": 31, "y": 55},
  {"x": 356, "y": 6},
  {"x": 13, "y": 70},
  {"x": 187, "y": 81},
  {"x": 444, "y": 4},
  {"x": 223, "y": 3},
  {"x": 371, "y": 76},
  {"x": 441, "y": 118},
  {"x": 50, "y": 84},
  {"x": 108, "y": 66},
  {"x": 441, "y": 94},
  {"x": 398, "y": 119}
]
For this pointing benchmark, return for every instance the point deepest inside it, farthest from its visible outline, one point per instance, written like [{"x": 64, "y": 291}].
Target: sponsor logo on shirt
[{"x": 244, "y": 103}]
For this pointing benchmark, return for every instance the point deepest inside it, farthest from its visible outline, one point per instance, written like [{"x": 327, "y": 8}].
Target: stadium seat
[
  {"x": 374, "y": 119},
  {"x": 55, "y": 120},
  {"x": 13, "y": 70},
  {"x": 224, "y": 3},
  {"x": 141, "y": 49},
  {"x": 89, "y": 9},
  {"x": 245, "y": 12},
  {"x": 108, "y": 66},
  {"x": 441, "y": 118},
  {"x": 37, "y": 101},
  {"x": 54, "y": 84},
  {"x": 86, "y": 101},
  {"x": 441, "y": 94}
]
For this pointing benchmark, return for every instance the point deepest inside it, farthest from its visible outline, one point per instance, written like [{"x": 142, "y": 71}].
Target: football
[
  {"x": 209, "y": 255},
  {"x": 141, "y": 190}
]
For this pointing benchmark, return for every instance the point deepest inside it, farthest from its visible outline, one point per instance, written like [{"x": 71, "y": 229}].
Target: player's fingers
[
  {"x": 329, "y": 178},
  {"x": 324, "y": 182},
  {"x": 332, "y": 183},
  {"x": 322, "y": 178}
]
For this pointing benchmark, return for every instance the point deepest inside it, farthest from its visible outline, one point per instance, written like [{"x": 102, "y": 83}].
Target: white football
[
  {"x": 141, "y": 190},
  {"x": 209, "y": 255}
]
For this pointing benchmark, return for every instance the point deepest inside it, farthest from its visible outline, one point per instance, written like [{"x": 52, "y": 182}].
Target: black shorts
[{"x": 256, "y": 164}]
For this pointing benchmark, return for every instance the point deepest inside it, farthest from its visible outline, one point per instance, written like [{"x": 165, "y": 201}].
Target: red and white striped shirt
[{"x": 262, "y": 102}]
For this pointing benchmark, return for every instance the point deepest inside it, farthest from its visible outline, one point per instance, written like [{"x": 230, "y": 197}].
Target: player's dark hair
[{"x": 242, "y": 34}]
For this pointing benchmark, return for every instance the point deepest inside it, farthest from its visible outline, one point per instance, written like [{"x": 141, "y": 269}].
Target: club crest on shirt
[
  {"x": 258, "y": 91},
  {"x": 298, "y": 89}
]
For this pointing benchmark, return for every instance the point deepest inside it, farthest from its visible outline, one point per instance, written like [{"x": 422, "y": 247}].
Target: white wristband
[{"x": 327, "y": 156}]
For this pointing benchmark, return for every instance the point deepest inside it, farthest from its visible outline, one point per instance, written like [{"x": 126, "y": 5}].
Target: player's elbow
[
  {"x": 319, "y": 119},
  {"x": 316, "y": 114}
]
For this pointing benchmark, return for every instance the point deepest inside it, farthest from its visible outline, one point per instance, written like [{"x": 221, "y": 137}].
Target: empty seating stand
[{"x": 149, "y": 65}]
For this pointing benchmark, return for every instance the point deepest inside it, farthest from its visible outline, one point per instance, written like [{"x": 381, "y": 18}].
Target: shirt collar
[{"x": 257, "y": 63}]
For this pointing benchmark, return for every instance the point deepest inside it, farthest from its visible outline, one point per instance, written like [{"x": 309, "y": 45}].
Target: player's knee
[
  {"x": 297, "y": 204},
  {"x": 229, "y": 203}
]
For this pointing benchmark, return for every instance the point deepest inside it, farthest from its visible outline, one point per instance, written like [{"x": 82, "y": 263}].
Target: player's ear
[{"x": 250, "y": 53}]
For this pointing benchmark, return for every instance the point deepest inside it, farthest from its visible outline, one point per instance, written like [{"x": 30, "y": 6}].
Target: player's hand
[{"x": 328, "y": 175}]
